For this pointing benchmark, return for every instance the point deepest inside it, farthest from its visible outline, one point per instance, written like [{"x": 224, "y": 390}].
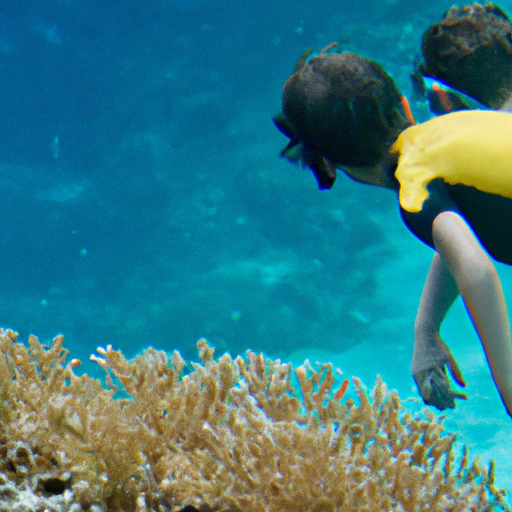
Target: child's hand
[
  {"x": 429, "y": 373},
  {"x": 435, "y": 390}
]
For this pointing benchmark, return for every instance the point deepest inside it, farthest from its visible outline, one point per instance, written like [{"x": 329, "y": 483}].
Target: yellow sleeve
[{"x": 471, "y": 147}]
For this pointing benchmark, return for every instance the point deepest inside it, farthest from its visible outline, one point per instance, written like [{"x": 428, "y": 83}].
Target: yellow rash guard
[{"x": 459, "y": 162}]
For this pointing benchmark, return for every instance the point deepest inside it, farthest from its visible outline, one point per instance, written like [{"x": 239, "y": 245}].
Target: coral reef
[{"x": 245, "y": 434}]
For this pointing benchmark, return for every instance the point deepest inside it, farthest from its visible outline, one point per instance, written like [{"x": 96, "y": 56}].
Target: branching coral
[{"x": 235, "y": 435}]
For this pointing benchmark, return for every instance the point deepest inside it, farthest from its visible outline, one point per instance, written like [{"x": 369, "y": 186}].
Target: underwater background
[{"x": 144, "y": 203}]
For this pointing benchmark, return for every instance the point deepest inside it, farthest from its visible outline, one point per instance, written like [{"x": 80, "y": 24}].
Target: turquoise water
[{"x": 144, "y": 201}]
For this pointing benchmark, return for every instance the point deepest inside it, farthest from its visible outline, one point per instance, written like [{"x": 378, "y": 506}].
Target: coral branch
[{"x": 247, "y": 434}]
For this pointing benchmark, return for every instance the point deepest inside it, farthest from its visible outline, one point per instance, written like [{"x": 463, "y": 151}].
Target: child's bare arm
[
  {"x": 431, "y": 355},
  {"x": 480, "y": 287}
]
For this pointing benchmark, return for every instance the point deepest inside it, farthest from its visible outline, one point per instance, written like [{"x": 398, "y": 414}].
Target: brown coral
[{"x": 236, "y": 435}]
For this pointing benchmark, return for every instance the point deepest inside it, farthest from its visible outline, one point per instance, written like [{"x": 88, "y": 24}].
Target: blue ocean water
[{"x": 144, "y": 201}]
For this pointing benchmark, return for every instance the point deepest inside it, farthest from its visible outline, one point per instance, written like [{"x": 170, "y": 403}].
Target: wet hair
[
  {"x": 343, "y": 107},
  {"x": 471, "y": 50}
]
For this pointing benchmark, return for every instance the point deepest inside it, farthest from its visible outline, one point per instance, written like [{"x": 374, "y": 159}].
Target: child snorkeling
[{"x": 452, "y": 175}]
